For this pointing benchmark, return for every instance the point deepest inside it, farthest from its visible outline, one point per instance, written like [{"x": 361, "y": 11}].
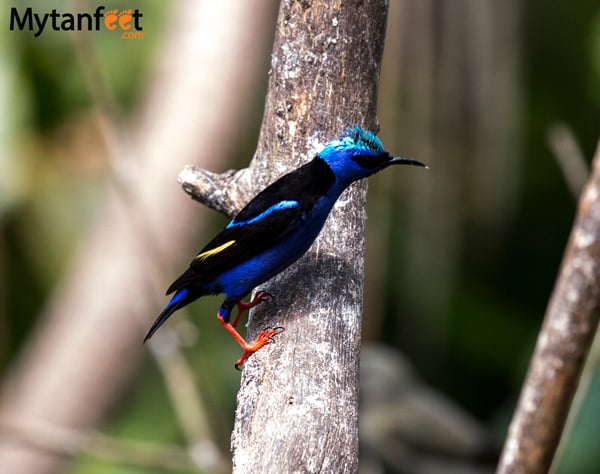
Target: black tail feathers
[
  {"x": 179, "y": 300},
  {"x": 162, "y": 317}
]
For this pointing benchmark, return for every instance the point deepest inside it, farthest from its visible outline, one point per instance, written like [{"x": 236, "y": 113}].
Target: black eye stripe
[{"x": 370, "y": 161}]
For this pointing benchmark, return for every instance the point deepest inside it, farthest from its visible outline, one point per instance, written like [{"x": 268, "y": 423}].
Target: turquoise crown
[{"x": 354, "y": 138}]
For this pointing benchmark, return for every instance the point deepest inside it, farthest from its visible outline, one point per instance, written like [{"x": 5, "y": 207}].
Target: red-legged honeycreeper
[{"x": 274, "y": 230}]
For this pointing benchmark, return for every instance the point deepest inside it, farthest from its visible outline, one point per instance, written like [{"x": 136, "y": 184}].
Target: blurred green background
[{"x": 460, "y": 260}]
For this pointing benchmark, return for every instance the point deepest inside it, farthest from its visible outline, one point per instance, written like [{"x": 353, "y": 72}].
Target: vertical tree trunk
[{"x": 298, "y": 401}]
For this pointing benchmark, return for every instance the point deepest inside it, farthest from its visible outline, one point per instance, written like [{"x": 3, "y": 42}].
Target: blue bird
[{"x": 274, "y": 230}]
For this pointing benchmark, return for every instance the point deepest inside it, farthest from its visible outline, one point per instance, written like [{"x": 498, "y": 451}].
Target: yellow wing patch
[{"x": 220, "y": 248}]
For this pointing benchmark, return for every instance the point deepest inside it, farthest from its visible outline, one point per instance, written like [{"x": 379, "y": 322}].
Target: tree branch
[
  {"x": 563, "y": 344},
  {"x": 222, "y": 192},
  {"x": 298, "y": 401}
]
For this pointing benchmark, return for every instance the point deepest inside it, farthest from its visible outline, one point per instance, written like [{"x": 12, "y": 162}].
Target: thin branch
[{"x": 563, "y": 344}]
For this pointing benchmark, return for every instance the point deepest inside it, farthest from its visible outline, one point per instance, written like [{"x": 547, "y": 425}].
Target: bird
[{"x": 274, "y": 230}]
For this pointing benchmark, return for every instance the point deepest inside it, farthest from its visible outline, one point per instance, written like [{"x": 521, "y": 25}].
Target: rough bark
[
  {"x": 298, "y": 401},
  {"x": 563, "y": 344}
]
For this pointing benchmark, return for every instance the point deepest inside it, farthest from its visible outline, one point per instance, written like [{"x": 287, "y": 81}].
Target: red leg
[
  {"x": 259, "y": 297},
  {"x": 249, "y": 348}
]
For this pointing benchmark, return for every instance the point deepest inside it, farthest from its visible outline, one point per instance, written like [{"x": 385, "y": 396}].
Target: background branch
[{"x": 563, "y": 344}]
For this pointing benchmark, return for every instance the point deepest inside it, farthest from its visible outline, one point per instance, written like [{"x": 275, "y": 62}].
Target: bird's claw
[
  {"x": 264, "y": 337},
  {"x": 276, "y": 331},
  {"x": 261, "y": 296}
]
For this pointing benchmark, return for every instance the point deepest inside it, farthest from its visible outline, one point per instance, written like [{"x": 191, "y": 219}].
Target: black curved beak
[{"x": 399, "y": 160}]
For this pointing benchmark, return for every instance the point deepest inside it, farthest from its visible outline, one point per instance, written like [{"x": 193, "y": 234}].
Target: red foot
[
  {"x": 259, "y": 297},
  {"x": 264, "y": 337}
]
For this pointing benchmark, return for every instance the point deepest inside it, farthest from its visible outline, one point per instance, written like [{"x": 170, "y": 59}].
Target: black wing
[
  {"x": 304, "y": 185},
  {"x": 265, "y": 220}
]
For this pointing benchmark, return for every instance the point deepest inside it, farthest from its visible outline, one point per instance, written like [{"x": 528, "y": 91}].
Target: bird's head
[{"x": 357, "y": 154}]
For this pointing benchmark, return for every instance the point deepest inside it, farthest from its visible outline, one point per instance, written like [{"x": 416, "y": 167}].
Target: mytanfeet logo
[{"x": 127, "y": 22}]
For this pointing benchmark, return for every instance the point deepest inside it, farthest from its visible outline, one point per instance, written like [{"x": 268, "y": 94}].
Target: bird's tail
[{"x": 179, "y": 300}]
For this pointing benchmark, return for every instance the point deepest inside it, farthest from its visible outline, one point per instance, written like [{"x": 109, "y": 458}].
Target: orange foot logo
[
  {"x": 123, "y": 19},
  {"x": 110, "y": 19}
]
